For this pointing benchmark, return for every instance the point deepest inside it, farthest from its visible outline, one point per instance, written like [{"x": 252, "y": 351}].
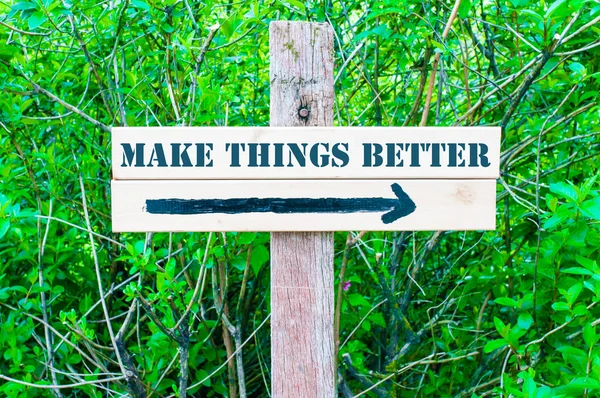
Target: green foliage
[{"x": 512, "y": 311}]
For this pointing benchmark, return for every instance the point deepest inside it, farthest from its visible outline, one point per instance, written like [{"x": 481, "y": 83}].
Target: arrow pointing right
[
  {"x": 402, "y": 208},
  {"x": 396, "y": 208}
]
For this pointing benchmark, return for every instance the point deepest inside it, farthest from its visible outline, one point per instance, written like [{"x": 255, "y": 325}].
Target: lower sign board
[{"x": 303, "y": 205}]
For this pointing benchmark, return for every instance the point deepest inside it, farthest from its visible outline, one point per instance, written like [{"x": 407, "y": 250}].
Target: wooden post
[{"x": 302, "y": 343}]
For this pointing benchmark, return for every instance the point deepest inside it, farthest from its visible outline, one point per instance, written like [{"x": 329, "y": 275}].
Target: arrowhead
[{"x": 403, "y": 208}]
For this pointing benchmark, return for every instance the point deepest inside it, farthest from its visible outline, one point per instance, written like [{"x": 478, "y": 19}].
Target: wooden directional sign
[{"x": 304, "y": 179}]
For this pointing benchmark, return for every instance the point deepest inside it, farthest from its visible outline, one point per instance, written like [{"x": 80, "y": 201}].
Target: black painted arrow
[{"x": 397, "y": 208}]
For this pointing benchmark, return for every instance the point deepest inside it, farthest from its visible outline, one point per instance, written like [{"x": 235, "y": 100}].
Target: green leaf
[
  {"x": 506, "y": 301},
  {"x": 587, "y": 185},
  {"x": 525, "y": 321},
  {"x": 560, "y": 306},
  {"x": 366, "y": 325},
  {"x": 577, "y": 234},
  {"x": 356, "y": 299},
  {"x": 209, "y": 352},
  {"x": 575, "y": 356},
  {"x": 138, "y": 248},
  {"x": 168, "y": 28},
  {"x": 246, "y": 237},
  {"x": 85, "y": 303},
  {"x": 576, "y": 387},
  {"x": 493, "y": 345},
  {"x": 558, "y": 218},
  {"x": 170, "y": 268},
  {"x": 141, "y": 5},
  {"x": 594, "y": 288},
  {"x": 533, "y": 14},
  {"x": 501, "y": 327},
  {"x": 577, "y": 68},
  {"x": 298, "y": 4},
  {"x": 515, "y": 334},
  {"x": 553, "y": 7},
  {"x": 36, "y": 20},
  {"x": 551, "y": 202},
  {"x": 574, "y": 291},
  {"x": 161, "y": 278},
  {"x": 7, "y": 53},
  {"x": 239, "y": 262},
  {"x": 4, "y": 226},
  {"x": 577, "y": 271},
  {"x": 580, "y": 310},
  {"x": 381, "y": 30},
  {"x": 259, "y": 257},
  {"x": 529, "y": 387},
  {"x": 591, "y": 208},
  {"x": 464, "y": 8},
  {"x": 586, "y": 262},
  {"x": 519, "y": 3},
  {"x": 24, "y": 5},
  {"x": 589, "y": 335},
  {"x": 385, "y": 11},
  {"x": 377, "y": 319},
  {"x": 565, "y": 191}
]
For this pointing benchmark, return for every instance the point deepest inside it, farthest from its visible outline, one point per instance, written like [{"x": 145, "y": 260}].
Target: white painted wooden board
[
  {"x": 334, "y": 205},
  {"x": 198, "y": 153}
]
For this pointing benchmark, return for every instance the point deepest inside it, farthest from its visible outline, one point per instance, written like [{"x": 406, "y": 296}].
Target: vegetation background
[{"x": 511, "y": 312}]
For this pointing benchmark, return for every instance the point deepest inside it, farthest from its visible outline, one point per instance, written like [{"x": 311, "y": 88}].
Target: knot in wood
[{"x": 303, "y": 113}]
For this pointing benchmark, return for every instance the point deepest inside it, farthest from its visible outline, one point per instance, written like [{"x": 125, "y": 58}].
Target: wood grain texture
[
  {"x": 392, "y": 146},
  {"x": 440, "y": 205},
  {"x": 302, "y": 315},
  {"x": 302, "y": 344},
  {"x": 301, "y": 73}
]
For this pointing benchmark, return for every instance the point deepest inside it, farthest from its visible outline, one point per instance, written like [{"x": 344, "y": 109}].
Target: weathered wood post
[{"x": 302, "y": 342}]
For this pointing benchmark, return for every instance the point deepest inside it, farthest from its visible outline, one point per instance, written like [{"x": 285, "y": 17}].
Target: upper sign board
[{"x": 260, "y": 153}]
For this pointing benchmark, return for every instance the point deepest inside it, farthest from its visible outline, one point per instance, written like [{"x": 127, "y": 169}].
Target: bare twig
[
  {"x": 436, "y": 60},
  {"x": 44, "y": 305},
  {"x": 92, "y": 65},
  {"x": 422, "y": 81},
  {"x": 54, "y": 386},
  {"x": 537, "y": 204},
  {"x": 199, "y": 284},
  {"x": 99, "y": 277},
  {"x": 430, "y": 359},
  {"x": 23, "y": 32},
  {"x": 229, "y": 358},
  {"x": 83, "y": 229},
  {"x": 39, "y": 89},
  {"x": 535, "y": 72},
  {"x": 191, "y": 102},
  {"x": 487, "y": 52},
  {"x": 59, "y": 335}
]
